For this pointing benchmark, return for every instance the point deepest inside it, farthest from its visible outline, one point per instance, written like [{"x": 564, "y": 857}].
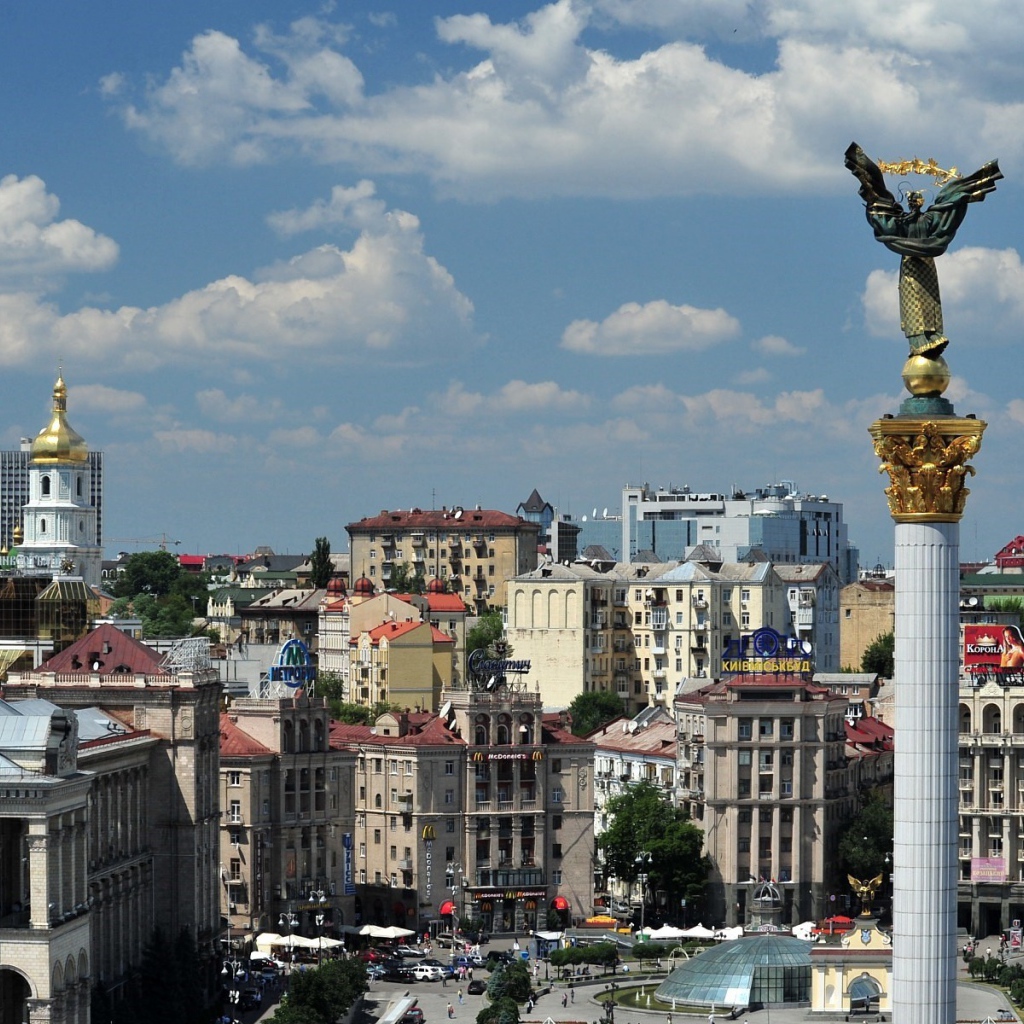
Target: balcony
[
  {"x": 698, "y": 602},
  {"x": 404, "y": 802},
  {"x": 419, "y": 540},
  {"x": 659, "y": 618},
  {"x": 405, "y": 864},
  {"x": 659, "y": 673}
]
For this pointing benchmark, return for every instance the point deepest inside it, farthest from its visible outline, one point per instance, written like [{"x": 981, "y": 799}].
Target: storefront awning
[
  {"x": 560, "y": 903},
  {"x": 446, "y": 908}
]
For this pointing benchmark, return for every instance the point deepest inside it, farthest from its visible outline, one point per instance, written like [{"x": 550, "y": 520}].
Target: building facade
[
  {"x": 473, "y": 550},
  {"x": 867, "y": 610}
]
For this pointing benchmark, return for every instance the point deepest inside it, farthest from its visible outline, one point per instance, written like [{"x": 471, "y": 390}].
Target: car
[
  {"x": 496, "y": 957},
  {"x": 413, "y": 1016},
  {"x": 398, "y": 970},
  {"x": 424, "y": 972},
  {"x": 446, "y": 969},
  {"x": 476, "y": 987},
  {"x": 408, "y": 952},
  {"x": 445, "y": 940},
  {"x": 371, "y": 956},
  {"x": 467, "y": 960},
  {"x": 375, "y": 971}
]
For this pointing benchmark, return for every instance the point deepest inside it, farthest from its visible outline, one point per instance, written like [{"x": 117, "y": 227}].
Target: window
[
  {"x": 556, "y": 796},
  {"x": 744, "y": 844},
  {"x": 744, "y": 757},
  {"x": 376, "y": 836},
  {"x": 744, "y": 594},
  {"x": 744, "y": 817},
  {"x": 786, "y": 728},
  {"x": 362, "y": 850},
  {"x": 766, "y": 726},
  {"x": 235, "y": 811},
  {"x": 727, "y": 594},
  {"x": 449, "y": 796},
  {"x": 362, "y": 876},
  {"x": 394, "y": 767},
  {"x": 236, "y": 837},
  {"x": 744, "y": 787},
  {"x": 236, "y": 869},
  {"x": 746, "y": 726},
  {"x": 449, "y": 825},
  {"x": 394, "y": 853},
  {"x": 556, "y": 822},
  {"x": 234, "y": 778},
  {"x": 556, "y": 850},
  {"x": 449, "y": 767},
  {"x": 378, "y": 765},
  {"x": 393, "y": 822},
  {"x": 556, "y": 877},
  {"x": 556, "y": 765}
]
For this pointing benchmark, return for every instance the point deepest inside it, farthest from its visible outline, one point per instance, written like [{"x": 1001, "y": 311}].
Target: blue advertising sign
[{"x": 294, "y": 667}]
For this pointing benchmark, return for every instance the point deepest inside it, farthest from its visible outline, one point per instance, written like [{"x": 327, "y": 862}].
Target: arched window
[
  {"x": 303, "y": 735},
  {"x": 78, "y": 486},
  {"x": 504, "y": 734},
  {"x": 288, "y": 738},
  {"x": 377, "y": 801},
  {"x": 481, "y": 731},
  {"x": 44, "y": 486},
  {"x": 525, "y": 729},
  {"x": 42, "y": 526}
]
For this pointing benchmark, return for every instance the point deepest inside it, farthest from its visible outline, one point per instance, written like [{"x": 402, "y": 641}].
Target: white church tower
[{"x": 59, "y": 532}]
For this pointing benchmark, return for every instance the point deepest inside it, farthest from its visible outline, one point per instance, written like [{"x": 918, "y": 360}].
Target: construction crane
[{"x": 162, "y": 541}]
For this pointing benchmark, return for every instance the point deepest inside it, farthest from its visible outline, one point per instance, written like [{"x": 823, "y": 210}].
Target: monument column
[{"x": 925, "y": 450}]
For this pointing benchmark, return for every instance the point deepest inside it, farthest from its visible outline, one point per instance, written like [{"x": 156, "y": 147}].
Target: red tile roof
[
  {"x": 236, "y": 743},
  {"x": 106, "y": 651},
  {"x": 417, "y": 519}
]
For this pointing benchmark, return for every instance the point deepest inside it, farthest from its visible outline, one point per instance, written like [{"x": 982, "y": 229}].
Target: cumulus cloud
[
  {"x": 99, "y": 398},
  {"x": 537, "y": 110},
  {"x": 773, "y": 345},
  {"x": 35, "y": 245},
  {"x": 198, "y": 441},
  {"x": 384, "y": 294},
  {"x": 982, "y": 296},
  {"x": 216, "y": 405},
  {"x": 652, "y": 329},
  {"x": 514, "y": 397}
]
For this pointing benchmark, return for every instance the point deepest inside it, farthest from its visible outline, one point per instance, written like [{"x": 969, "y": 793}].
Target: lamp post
[
  {"x": 452, "y": 871},
  {"x": 319, "y": 898},
  {"x": 230, "y": 972},
  {"x": 288, "y": 921},
  {"x": 643, "y": 865}
]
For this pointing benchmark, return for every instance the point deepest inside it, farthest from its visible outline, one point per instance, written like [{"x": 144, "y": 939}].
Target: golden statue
[{"x": 865, "y": 891}]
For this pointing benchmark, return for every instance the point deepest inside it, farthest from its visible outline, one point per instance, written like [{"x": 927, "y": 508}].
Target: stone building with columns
[
  {"x": 45, "y": 962},
  {"x": 150, "y": 854}
]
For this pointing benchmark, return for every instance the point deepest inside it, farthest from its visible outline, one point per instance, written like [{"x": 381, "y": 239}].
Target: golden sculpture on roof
[{"x": 865, "y": 891}]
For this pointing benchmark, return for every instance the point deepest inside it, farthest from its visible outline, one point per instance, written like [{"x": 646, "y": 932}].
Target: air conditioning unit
[{"x": 231, "y": 908}]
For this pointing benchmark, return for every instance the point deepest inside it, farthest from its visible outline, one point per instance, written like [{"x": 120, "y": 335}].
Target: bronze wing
[{"x": 877, "y": 198}]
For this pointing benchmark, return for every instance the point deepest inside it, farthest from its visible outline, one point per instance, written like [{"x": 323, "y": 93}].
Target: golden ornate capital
[{"x": 927, "y": 463}]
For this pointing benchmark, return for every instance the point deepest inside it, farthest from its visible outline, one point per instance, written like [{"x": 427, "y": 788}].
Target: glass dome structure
[{"x": 755, "y": 971}]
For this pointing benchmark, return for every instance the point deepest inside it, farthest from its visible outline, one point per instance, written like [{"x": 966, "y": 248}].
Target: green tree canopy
[
  {"x": 641, "y": 820},
  {"x": 487, "y": 631},
  {"x": 880, "y": 656},
  {"x": 868, "y": 838},
  {"x": 326, "y": 992},
  {"x": 592, "y": 709},
  {"x": 164, "y": 596},
  {"x": 405, "y": 581},
  {"x": 320, "y": 565},
  {"x": 1007, "y": 604}
]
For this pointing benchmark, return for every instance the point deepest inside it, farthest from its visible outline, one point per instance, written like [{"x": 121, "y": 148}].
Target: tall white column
[{"x": 925, "y": 813}]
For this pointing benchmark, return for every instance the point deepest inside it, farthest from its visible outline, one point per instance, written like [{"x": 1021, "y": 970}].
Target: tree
[
  {"x": 510, "y": 981},
  {"x": 164, "y": 596},
  {"x": 147, "y": 572},
  {"x": 641, "y": 820},
  {"x": 320, "y": 565},
  {"x": 404, "y": 581},
  {"x": 879, "y": 657},
  {"x": 593, "y": 709},
  {"x": 487, "y": 631},
  {"x": 1007, "y": 604},
  {"x": 327, "y": 991},
  {"x": 867, "y": 840}
]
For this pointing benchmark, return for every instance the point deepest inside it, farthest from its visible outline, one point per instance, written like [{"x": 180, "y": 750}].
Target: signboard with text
[{"x": 988, "y": 869}]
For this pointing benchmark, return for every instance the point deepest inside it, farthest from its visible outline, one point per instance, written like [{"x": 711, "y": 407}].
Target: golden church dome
[{"x": 58, "y": 441}]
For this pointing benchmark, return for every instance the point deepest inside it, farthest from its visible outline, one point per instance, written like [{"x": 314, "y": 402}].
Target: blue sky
[{"x": 301, "y": 262}]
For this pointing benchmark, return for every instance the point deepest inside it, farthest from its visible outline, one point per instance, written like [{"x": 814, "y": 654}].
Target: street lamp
[
  {"x": 452, "y": 870},
  {"x": 230, "y": 972},
  {"x": 319, "y": 897},
  {"x": 643, "y": 866},
  {"x": 287, "y": 922}
]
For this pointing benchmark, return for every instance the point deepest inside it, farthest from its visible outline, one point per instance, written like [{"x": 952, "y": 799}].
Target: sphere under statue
[{"x": 926, "y": 375}]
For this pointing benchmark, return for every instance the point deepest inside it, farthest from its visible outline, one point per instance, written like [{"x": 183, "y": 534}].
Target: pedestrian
[
  {"x": 670, "y": 1018},
  {"x": 460, "y": 997},
  {"x": 451, "y": 1011},
  {"x": 565, "y": 1000},
  {"x": 444, "y": 980},
  {"x": 572, "y": 998},
  {"x": 711, "y": 1016}
]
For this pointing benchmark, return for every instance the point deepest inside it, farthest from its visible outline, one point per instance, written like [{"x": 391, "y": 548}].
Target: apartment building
[
  {"x": 483, "y": 811},
  {"x": 287, "y": 818},
  {"x": 474, "y": 550},
  {"x": 766, "y": 761}
]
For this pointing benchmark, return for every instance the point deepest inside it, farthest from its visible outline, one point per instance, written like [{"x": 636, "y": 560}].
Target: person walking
[
  {"x": 451, "y": 1011},
  {"x": 572, "y": 997},
  {"x": 460, "y": 997},
  {"x": 565, "y": 1000}
]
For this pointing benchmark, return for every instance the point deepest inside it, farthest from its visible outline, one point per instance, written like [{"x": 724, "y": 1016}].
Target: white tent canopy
[
  {"x": 698, "y": 931},
  {"x": 728, "y": 934},
  {"x": 666, "y": 931},
  {"x": 393, "y": 932}
]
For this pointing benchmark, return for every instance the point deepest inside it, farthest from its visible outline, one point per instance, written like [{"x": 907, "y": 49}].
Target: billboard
[
  {"x": 992, "y": 648},
  {"x": 988, "y": 869}
]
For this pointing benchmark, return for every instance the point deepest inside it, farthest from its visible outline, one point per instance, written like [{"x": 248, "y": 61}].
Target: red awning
[
  {"x": 447, "y": 908},
  {"x": 560, "y": 903}
]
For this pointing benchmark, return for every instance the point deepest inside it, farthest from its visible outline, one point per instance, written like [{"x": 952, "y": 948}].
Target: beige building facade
[
  {"x": 473, "y": 550},
  {"x": 867, "y": 610}
]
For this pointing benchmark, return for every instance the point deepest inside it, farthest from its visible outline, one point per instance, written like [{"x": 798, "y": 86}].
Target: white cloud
[
  {"x": 541, "y": 112},
  {"x": 384, "y": 294},
  {"x": 201, "y": 442},
  {"x": 758, "y": 375},
  {"x": 35, "y": 245},
  {"x": 215, "y": 405},
  {"x": 646, "y": 397},
  {"x": 99, "y": 398},
  {"x": 773, "y": 345},
  {"x": 514, "y": 397},
  {"x": 982, "y": 296},
  {"x": 651, "y": 329}
]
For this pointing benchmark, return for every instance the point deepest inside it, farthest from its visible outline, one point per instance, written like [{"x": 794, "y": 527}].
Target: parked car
[
  {"x": 467, "y": 960},
  {"x": 413, "y": 1016},
  {"x": 371, "y": 956},
  {"x": 408, "y": 952},
  {"x": 446, "y": 969},
  {"x": 424, "y": 972},
  {"x": 445, "y": 940},
  {"x": 375, "y": 971},
  {"x": 477, "y": 987},
  {"x": 498, "y": 956}
]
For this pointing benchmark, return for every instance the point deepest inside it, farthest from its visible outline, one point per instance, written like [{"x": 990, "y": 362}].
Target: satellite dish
[
  {"x": 458, "y": 512},
  {"x": 595, "y": 513},
  {"x": 972, "y": 601},
  {"x": 584, "y": 519},
  {"x": 604, "y": 514},
  {"x": 445, "y": 709}
]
